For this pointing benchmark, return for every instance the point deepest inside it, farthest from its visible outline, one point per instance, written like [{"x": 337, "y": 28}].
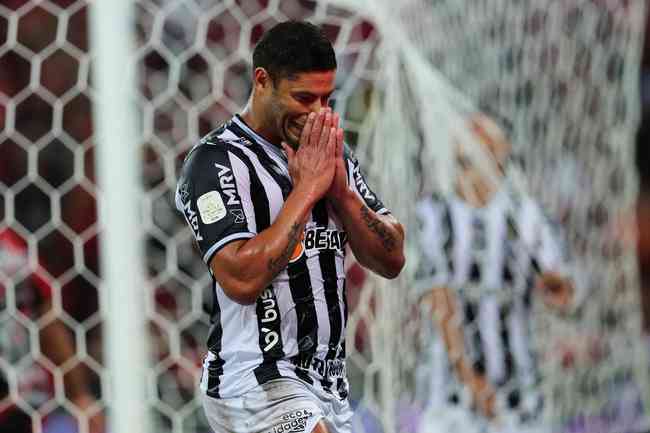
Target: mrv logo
[
  {"x": 227, "y": 184},
  {"x": 361, "y": 183},
  {"x": 320, "y": 238},
  {"x": 269, "y": 318},
  {"x": 192, "y": 219}
]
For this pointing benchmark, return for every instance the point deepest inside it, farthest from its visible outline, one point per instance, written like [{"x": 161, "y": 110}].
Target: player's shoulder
[{"x": 212, "y": 148}]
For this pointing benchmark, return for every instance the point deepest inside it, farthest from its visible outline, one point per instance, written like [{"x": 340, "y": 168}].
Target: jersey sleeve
[
  {"x": 548, "y": 244},
  {"x": 213, "y": 194},
  {"x": 551, "y": 252},
  {"x": 358, "y": 184},
  {"x": 430, "y": 245}
]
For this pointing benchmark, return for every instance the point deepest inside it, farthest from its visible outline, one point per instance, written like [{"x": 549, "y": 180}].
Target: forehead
[{"x": 315, "y": 82}]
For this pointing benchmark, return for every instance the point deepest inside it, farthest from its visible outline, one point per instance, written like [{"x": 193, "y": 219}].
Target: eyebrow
[{"x": 307, "y": 92}]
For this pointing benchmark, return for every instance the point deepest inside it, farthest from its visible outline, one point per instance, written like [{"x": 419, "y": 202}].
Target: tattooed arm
[
  {"x": 245, "y": 268},
  {"x": 376, "y": 240}
]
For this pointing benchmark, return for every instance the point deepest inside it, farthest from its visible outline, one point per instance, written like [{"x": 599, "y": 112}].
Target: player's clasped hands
[{"x": 313, "y": 164}]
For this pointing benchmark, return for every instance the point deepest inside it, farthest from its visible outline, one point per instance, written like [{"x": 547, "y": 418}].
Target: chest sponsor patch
[{"x": 211, "y": 207}]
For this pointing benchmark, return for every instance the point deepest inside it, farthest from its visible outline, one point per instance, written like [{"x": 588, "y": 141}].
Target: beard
[
  {"x": 292, "y": 130},
  {"x": 291, "y": 134}
]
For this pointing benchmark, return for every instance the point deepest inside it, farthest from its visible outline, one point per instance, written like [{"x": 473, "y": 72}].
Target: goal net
[
  {"x": 558, "y": 81},
  {"x": 559, "y": 78}
]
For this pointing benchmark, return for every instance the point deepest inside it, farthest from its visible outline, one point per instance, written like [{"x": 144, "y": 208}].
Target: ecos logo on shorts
[{"x": 293, "y": 422}]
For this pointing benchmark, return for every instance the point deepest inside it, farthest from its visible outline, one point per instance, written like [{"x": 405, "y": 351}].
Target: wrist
[
  {"x": 306, "y": 195},
  {"x": 344, "y": 199}
]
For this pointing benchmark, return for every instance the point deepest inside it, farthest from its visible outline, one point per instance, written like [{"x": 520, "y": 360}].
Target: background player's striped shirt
[
  {"x": 232, "y": 186},
  {"x": 489, "y": 257}
]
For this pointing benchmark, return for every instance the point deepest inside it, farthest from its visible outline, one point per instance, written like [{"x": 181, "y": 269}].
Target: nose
[
  {"x": 316, "y": 106},
  {"x": 319, "y": 103}
]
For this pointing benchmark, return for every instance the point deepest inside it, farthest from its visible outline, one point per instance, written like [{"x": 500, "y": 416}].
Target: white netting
[
  {"x": 560, "y": 76},
  {"x": 561, "y": 80},
  {"x": 193, "y": 58}
]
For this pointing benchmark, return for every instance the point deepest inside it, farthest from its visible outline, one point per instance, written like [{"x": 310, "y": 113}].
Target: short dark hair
[{"x": 292, "y": 47}]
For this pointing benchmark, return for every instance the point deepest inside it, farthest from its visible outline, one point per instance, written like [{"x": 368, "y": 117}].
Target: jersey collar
[{"x": 239, "y": 121}]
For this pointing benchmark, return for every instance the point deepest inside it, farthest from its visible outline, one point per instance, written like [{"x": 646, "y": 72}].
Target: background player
[{"x": 483, "y": 251}]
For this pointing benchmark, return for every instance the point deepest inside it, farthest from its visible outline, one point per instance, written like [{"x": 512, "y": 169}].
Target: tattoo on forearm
[
  {"x": 277, "y": 264},
  {"x": 376, "y": 226}
]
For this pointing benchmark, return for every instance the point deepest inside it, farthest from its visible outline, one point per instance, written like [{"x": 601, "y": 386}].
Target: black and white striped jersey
[
  {"x": 489, "y": 257},
  {"x": 232, "y": 186}
]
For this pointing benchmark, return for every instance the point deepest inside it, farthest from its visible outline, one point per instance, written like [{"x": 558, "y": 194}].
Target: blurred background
[{"x": 193, "y": 62}]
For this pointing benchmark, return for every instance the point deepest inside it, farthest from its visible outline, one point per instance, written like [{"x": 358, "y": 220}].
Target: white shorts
[
  {"x": 283, "y": 405},
  {"x": 456, "y": 418}
]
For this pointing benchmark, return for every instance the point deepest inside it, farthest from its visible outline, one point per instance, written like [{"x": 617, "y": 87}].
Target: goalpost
[
  {"x": 559, "y": 77},
  {"x": 121, "y": 237}
]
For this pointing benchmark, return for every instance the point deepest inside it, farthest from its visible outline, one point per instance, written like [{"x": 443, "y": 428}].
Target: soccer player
[
  {"x": 272, "y": 198},
  {"x": 484, "y": 251}
]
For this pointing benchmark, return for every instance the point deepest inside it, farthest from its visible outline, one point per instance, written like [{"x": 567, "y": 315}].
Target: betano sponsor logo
[{"x": 319, "y": 238}]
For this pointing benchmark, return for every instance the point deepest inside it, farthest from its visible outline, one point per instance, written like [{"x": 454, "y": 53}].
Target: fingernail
[{"x": 312, "y": 115}]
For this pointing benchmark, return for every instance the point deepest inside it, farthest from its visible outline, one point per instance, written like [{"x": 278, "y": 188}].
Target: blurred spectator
[{"x": 27, "y": 382}]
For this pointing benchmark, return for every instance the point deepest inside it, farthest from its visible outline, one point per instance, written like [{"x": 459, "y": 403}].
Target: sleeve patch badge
[{"x": 211, "y": 207}]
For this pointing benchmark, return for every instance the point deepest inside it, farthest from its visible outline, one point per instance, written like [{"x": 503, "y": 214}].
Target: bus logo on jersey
[
  {"x": 269, "y": 319},
  {"x": 227, "y": 184}
]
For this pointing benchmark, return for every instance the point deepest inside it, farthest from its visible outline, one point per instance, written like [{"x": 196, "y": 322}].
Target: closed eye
[{"x": 305, "y": 98}]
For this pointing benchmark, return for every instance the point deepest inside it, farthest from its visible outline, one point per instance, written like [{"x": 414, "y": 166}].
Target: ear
[{"x": 261, "y": 79}]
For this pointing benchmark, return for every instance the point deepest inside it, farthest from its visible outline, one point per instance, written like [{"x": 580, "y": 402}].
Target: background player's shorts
[
  {"x": 279, "y": 406},
  {"x": 457, "y": 418}
]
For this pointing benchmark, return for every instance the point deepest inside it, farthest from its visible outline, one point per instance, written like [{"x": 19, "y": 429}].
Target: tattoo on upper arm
[
  {"x": 277, "y": 264},
  {"x": 377, "y": 226}
]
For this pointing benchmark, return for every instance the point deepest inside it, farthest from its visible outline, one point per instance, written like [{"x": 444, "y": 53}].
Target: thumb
[{"x": 290, "y": 152}]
